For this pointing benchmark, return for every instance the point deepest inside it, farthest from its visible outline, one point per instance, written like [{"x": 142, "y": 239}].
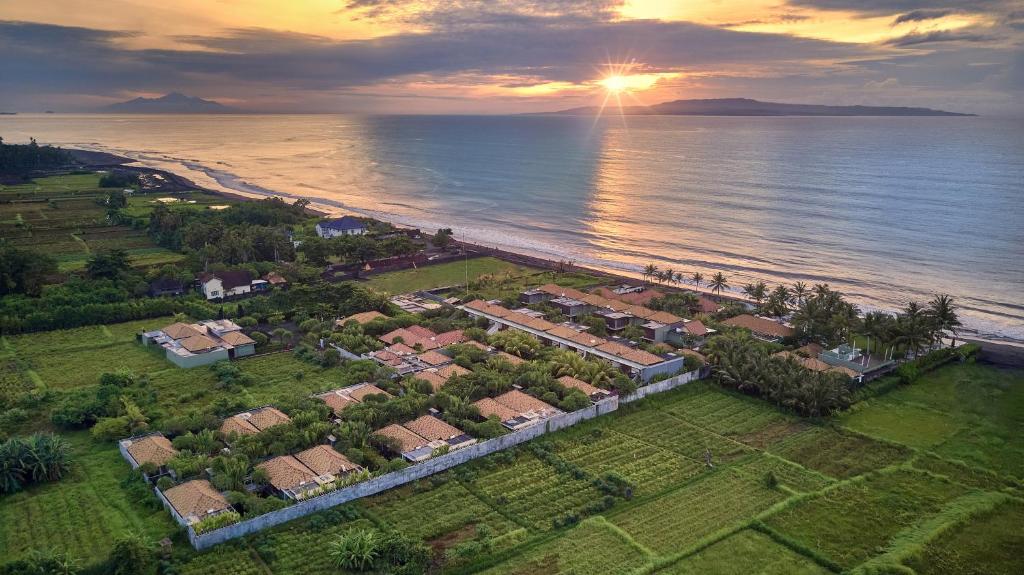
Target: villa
[
  {"x": 194, "y": 501},
  {"x": 515, "y": 409},
  {"x": 594, "y": 393},
  {"x": 630, "y": 360},
  {"x": 209, "y": 341},
  {"x": 419, "y": 439},
  {"x": 152, "y": 452},
  {"x": 253, "y": 421},
  {"x": 217, "y": 285},
  {"x": 343, "y": 226},
  {"x": 339, "y": 399}
]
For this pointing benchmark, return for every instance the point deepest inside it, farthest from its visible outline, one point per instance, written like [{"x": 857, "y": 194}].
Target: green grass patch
[
  {"x": 745, "y": 552},
  {"x": 594, "y": 546},
  {"x": 988, "y": 544},
  {"x": 857, "y": 519},
  {"x": 839, "y": 453}
]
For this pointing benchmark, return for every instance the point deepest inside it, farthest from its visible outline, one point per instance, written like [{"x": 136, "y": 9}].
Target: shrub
[
  {"x": 33, "y": 459},
  {"x": 133, "y": 554},
  {"x": 111, "y": 428},
  {"x": 216, "y": 522},
  {"x": 260, "y": 338}
]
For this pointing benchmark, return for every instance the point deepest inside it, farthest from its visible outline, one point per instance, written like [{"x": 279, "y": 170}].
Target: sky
[{"x": 511, "y": 56}]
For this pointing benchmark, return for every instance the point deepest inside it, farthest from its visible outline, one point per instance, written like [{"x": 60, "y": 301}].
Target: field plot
[
  {"x": 667, "y": 431},
  {"x": 534, "y": 492},
  {"x": 785, "y": 472},
  {"x": 415, "y": 513},
  {"x": 592, "y": 547},
  {"x": 725, "y": 413},
  {"x": 678, "y": 520},
  {"x": 651, "y": 469},
  {"x": 82, "y": 514},
  {"x": 989, "y": 544},
  {"x": 966, "y": 412},
  {"x": 854, "y": 521},
  {"x": 303, "y": 548},
  {"x": 232, "y": 558},
  {"x": 964, "y": 474},
  {"x": 743, "y": 553},
  {"x": 839, "y": 453}
]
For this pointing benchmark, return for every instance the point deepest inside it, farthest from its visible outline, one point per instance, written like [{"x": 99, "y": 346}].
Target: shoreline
[{"x": 1000, "y": 352}]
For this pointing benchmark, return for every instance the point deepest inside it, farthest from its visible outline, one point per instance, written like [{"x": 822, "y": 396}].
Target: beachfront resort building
[
  {"x": 343, "y": 226},
  {"x": 203, "y": 343},
  {"x": 632, "y": 361},
  {"x": 762, "y": 328}
]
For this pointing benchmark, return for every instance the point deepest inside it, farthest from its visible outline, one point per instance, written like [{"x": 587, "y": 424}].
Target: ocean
[{"x": 886, "y": 210}]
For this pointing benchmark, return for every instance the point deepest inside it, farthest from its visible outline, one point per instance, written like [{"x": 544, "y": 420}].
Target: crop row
[
  {"x": 651, "y": 469},
  {"x": 722, "y": 412},
  {"x": 679, "y": 519},
  {"x": 417, "y": 513},
  {"x": 535, "y": 492},
  {"x": 838, "y": 453},
  {"x": 669, "y": 432},
  {"x": 785, "y": 472}
]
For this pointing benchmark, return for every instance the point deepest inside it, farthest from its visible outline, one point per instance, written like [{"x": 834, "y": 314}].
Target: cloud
[
  {"x": 886, "y": 7},
  {"x": 935, "y": 36},
  {"x": 922, "y": 15}
]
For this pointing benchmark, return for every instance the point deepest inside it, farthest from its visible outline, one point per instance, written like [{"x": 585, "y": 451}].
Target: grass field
[
  {"x": 508, "y": 278},
  {"x": 881, "y": 485},
  {"x": 63, "y": 217}
]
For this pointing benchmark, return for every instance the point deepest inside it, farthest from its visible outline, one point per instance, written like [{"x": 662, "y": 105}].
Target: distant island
[
  {"x": 173, "y": 103},
  {"x": 748, "y": 107}
]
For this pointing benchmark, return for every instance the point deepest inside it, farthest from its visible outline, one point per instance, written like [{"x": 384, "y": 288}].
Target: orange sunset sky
[{"x": 511, "y": 56}]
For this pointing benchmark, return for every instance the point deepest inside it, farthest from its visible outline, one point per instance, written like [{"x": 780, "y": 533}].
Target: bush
[
  {"x": 33, "y": 459},
  {"x": 216, "y": 522},
  {"x": 260, "y": 338},
  {"x": 111, "y": 428},
  {"x": 133, "y": 554}
]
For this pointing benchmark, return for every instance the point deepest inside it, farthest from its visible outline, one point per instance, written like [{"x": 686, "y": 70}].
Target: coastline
[{"x": 1001, "y": 352}]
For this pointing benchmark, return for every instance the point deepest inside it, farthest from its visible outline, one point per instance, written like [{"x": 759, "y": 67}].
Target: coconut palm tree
[
  {"x": 649, "y": 271},
  {"x": 943, "y": 313},
  {"x": 697, "y": 278},
  {"x": 800, "y": 292},
  {"x": 679, "y": 278},
  {"x": 913, "y": 327},
  {"x": 670, "y": 276},
  {"x": 718, "y": 283}
]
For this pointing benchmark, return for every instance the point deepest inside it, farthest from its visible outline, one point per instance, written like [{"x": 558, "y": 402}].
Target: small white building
[
  {"x": 343, "y": 226},
  {"x": 216, "y": 285}
]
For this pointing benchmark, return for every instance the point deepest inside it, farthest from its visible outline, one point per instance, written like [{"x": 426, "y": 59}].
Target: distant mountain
[
  {"x": 748, "y": 107},
  {"x": 173, "y": 103}
]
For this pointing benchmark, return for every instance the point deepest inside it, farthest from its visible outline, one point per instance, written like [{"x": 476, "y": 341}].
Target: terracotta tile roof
[
  {"x": 664, "y": 317},
  {"x": 323, "y": 459},
  {"x": 286, "y": 472},
  {"x": 434, "y": 358},
  {"x": 266, "y": 417},
  {"x": 180, "y": 330},
  {"x": 595, "y": 300},
  {"x": 523, "y": 403},
  {"x": 360, "y": 393},
  {"x": 477, "y": 345},
  {"x": 337, "y": 401},
  {"x": 196, "y": 499},
  {"x": 237, "y": 426},
  {"x": 570, "y": 381},
  {"x": 197, "y": 343},
  {"x": 639, "y": 311},
  {"x": 384, "y": 355},
  {"x": 489, "y": 407},
  {"x": 695, "y": 327},
  {"x": 408, "y": 337},
  {"x": 432, "y": 428},
  {"x": 275, "y": 278},
  {"x": 844, "y": 370},
  {"x": 237, "y": 338},
  {"x": 559, "y": 291},
  {"x": 630, "y": 354},
  {"x": 692, "y": 353},
  {"x": 639, "y": 298},
  {"x": 513, "y": 359},
  {"x": 761, "y": 325},
  {"x": 421, "y": 332},
  {"x": 155, "y": 449},
  {"x": 563, "y": 332},
  {"x": 450, "y": 338},
  {"x": 407, "y": 440},
  {"x": 815, "y": 364},
  {"x": 452, "y": 370},
  {"x": 431, "y": 377},
  {"x": 707, "y": 305},
  {"x": 810, "y": 350},
  {"x": 589, "y": 340},
  {"x": 361, "y": 318},
  {"x": 401, "y": 349}
]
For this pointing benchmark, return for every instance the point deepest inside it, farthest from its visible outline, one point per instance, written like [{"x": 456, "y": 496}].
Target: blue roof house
[{"x": 343, "y": 226}]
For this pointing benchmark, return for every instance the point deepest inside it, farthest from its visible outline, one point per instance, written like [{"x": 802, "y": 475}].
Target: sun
[{"x": 615, "y": 83}]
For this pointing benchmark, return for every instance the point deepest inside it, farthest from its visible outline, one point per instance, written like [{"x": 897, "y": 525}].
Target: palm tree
[
  {"x": 649, "y": 271},
  {"x": 800, "y": 292},
  {"x": 913, "y": 327},
  {"x": 748, "y": 290},
  {"x": 718, "y": 283},
  {"x": 679, "y": 278},
  {"x": 943, "y": 313},
  {"x": 821, "y": 290},
  {"x": 697, "y": 278},
  {"x": 670, "y": 276}
]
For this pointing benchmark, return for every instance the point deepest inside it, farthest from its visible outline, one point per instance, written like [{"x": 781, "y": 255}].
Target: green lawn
[{"x": 508, "y": 278}]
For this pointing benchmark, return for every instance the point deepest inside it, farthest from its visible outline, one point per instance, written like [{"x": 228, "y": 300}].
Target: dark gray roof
[{"x": 343, "y": 223}]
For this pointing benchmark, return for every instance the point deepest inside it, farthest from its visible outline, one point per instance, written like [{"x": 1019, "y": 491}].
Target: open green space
[
  {"x": 64, "y": 217},
  {"x": 784, "y": 495},
  {"x": 490, "y": 277}
]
